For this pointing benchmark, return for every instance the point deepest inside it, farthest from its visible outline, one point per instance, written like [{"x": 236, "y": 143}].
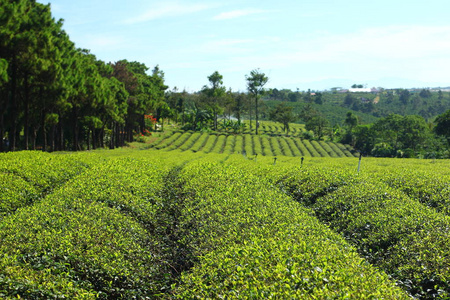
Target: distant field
[{"x": 271, "y": 141}]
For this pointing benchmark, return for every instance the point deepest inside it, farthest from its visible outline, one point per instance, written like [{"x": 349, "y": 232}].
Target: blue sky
[{"x": 299, "y": 44}]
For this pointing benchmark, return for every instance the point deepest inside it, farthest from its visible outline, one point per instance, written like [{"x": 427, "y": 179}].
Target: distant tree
[
  {"x": 351, "y": 120},
  {"x": 240, "y": 101},
  {"x": 388, "y": 129},
  {"x": 349, "y": 100},
  {"x": 414, "y": 132},
  {"x": 307, "y": 112},
  {"x": 359, "y": 86},
  {"x": 318, "y": 125},
  {"x": 318, "y": 98},
  {"x": 364, "y": 138},
  {"x": 282, "y": 114},
  {"x": 443, "y": 125},
  {"x": 255, "y": 85},
  {"x": 307, "y": 96},
  {"x": 404, "y": 96},
  {"x": 389, "y": 96},
  {"x": 215, "y": 92},
  {"x": 440, "y": 95},
  {"x": 293, "y": 96},
  {"x": 425, "y": 93}
]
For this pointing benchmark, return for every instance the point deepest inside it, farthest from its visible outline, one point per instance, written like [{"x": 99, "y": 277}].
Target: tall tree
[
  {"x": 317, "y": 124},
  {"x": 282, "y": 114},
  {"x": 239, "y": 105},
  {"x": 215, "y": 92},
  {"x": 255, "y": 85},
  {"x": 443, "y": 125}
]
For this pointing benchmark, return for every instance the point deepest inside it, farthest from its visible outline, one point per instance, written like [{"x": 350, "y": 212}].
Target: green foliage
[
  {"x": 384, "y": 224},
  {"x": 255, "y": 85},
  {"x": 244, "y": 252},
  {"x": 29, "y": 176},
  {"x": 443, "y": 125},
  {"x": 272, "y": 143},
  {"x": 127, "y": 224},
  {"x": 61, "y": 97},
  {"x": 394, "y": 134},
  {"x": 282, "y": 114}
]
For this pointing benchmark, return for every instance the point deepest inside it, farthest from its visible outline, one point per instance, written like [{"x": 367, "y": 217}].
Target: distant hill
[{"x": 367, "y": 106}]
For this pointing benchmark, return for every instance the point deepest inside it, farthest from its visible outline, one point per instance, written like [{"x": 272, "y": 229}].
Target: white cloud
[
  {"x": 238, "y": 13},
  {"x": 169, "y": 9}
]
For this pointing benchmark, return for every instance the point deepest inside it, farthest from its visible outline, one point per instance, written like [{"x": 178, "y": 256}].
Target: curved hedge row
[
  {"x": 125, "y": 225},
  {"x": 96, "y": 237},
  {"x": 389, "y": 229},
  {"x": 254, "y": 242},
  {"x": 27, "y": 176},
  {"x": 394, "y": 232},
  {"x": 252, "y": 145},
  {"x": 430, "y": 187}
]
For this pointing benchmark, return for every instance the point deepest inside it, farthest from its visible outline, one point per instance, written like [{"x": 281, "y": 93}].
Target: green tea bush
[
  {"x": 381, "y": 221},
  {"x": 164, "y": 143},
  {"x": 429, "y": 187},
  {"x": 337, "y": 150},
  {"x": 267, "y": 148},
  {"x": 200, "y": 143},
  {"x": 27, "y": 176},
  {"x": 190, "y": 141},
  {"x": 101, "y": 235},
  {"x": 293, "y": 147},
  {"x": 310, "y": 148},
  {"x": 318, "y": 147},
  {"x": 220, "y": 144},
  {"x": 254, "y": 242}
]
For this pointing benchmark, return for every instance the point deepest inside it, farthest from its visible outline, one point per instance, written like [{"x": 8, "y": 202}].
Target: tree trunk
[
  {"x": 60, "y": 134},
  {"x": 34, "y": 137},
  {"x": 52, "y": 138},
  {"x": 112, "y": 140},
  {"x": 44, "y": 133},
  {"x": 75, "y": 129},
  {"x": 256, "y": 113},
  {"x": 94, "y": 141},
  {"x": 12, "y": 133},
  {"x": 101, "y": 137},
  {"x": 2, "y": 128},
  {"x": 27, "y": 110}
]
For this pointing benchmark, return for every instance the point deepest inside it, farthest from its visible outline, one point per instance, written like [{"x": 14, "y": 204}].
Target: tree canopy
[
  {"x": 54, "y": 96},
  {"x": 255, "y": 85},
  {"x": 282, "y": 114}
]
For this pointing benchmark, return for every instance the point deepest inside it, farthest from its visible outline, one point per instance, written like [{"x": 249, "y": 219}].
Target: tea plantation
[{"x": 178, "y": 224}]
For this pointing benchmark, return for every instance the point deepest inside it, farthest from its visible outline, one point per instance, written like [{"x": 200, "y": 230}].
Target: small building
[{"x": 360, "y": 90}]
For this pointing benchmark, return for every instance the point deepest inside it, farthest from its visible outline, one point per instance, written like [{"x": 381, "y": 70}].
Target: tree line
[
  {"x": 201, "y": 110},
  {"x": 54, "y": 96}
]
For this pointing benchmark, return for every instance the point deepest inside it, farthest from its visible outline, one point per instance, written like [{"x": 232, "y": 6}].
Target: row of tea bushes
[
  {"x": 94, "y": 237},
  {"x": 255, "y": 242},
  {"x": 250, "y": 144},
  {"x": 27, "y": 176},
  {"x": 389, "y": 228},
  {"x": 430, "y": 187},
  {"x": 406, "y": 239}
]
